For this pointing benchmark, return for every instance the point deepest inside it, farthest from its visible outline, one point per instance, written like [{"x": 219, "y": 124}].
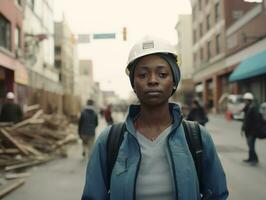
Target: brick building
[
  {"x": 213, "y": 44},
  {"x": 13, "y": 74}
]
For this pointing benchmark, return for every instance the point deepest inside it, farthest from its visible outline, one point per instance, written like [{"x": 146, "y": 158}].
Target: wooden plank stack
[{"x": 34, "y": 141}]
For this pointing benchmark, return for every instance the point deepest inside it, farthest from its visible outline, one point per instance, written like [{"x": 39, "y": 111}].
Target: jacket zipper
[
  {"x": 172, "y": 161},
  {"x": 137, "y": 171},
  {"x": 173, "y": 167}
]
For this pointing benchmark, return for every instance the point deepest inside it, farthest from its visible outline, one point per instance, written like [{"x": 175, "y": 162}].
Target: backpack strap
[
  {"x": 193, "y": 136},
  {"x": 115, "y": 138}
]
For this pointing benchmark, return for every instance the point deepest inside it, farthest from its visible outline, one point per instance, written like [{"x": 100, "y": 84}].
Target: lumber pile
[{"x": 31, "y": 142}]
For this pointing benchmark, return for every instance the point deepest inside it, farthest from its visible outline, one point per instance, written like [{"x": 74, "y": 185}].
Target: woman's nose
[{"x": 153, "y": 79}]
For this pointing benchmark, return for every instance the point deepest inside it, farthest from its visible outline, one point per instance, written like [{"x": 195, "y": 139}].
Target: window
[
  {"x": 58, "y": 64},
  {"x": 218, "y": 43},
  {"x": 57, "y": 50},
  {"x": 194, "y": 36},
  {"x": 5, "y": 33},
  {"x": 209, "y": 50},
  {"x": 60, "y": 77},
  {"x": 85, "y": 71},
  {"x": 19, "y": 2},
  {"x": 237, "y": 14},
  {"x": 217, "y": 11},
  {"x": 195, "y": 57},
  {"x": 32, "y": 4},
  {"x": 201, "y": 54},
  {"x": 17, "y": 38},
  {"x": 194, "y": 10},
  {"x": 201, "y": 31},
  {"x": 208, "y": 22}
]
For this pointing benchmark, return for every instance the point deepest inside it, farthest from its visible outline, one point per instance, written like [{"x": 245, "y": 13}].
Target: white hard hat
[
  {"x": 248, "y": 96},
  {"x": 150, "y": 45},
  {"x": 10, "y": 95}
]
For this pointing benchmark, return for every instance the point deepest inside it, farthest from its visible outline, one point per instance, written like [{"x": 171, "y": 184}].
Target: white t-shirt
[{"x": 154, "y": 179}]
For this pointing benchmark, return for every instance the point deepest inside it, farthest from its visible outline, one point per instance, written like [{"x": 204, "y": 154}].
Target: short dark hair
[
  {"x": 196, "y": 102},
  {"x": 90, "y": 102}
]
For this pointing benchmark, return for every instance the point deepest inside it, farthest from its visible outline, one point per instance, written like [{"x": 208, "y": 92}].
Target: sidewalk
[
  {"x": 227, "y": 133},
  {"x": 245, "y": 181}
]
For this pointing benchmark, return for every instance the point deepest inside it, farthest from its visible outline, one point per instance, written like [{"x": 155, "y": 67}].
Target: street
[
  {"x": 244, "y": 181},
  {"x": 64, "y": 179}
]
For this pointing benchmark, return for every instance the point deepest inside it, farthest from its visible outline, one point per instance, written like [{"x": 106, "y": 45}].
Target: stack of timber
[{"x": 31, "y": 142}]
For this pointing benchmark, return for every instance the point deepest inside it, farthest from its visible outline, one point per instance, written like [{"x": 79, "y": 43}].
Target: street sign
[
  {"x": 104, "y": 36},
  {"x": 83, "y": 38}
]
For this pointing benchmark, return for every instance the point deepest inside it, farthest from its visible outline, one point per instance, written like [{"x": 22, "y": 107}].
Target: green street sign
[{"x": 104, "y": 36}]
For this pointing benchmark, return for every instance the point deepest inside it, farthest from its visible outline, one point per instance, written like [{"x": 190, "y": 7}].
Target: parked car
[
  {"x": 263, "y": 110},
  {"x": 235, "y": 105}
]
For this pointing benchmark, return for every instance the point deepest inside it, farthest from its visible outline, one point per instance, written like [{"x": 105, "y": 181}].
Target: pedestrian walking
[
  {"x": 88, "y": 122},
  {"x": 250, "y": 126},
  {"x": 11, "y": 111},
  {"x": 197, "y": 113},
  {"x": 154, "y": 161},
  {"x": 108, "y": 115}
]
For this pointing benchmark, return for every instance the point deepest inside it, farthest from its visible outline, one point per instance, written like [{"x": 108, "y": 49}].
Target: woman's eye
[
  {"x": 162, "y": 75},
  {"x": 142, "y": 75}
]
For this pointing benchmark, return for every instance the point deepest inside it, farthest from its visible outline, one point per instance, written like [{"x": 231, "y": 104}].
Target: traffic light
[{"x": 124, "y": 33}]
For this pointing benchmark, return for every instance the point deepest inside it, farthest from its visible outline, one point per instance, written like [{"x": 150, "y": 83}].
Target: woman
[
  {"x": 197, "y": 113},
  {"x": 154, "y": 161}
]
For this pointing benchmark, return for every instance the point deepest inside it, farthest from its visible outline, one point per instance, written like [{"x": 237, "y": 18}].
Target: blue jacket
[{"x": 124, "y": 174}]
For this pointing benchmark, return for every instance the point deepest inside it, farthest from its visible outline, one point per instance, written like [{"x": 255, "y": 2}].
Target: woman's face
[{"x": 153, "y": 80}]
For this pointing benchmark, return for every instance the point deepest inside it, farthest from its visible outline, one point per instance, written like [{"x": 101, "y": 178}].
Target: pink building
[{"x": 13, "y": 74}]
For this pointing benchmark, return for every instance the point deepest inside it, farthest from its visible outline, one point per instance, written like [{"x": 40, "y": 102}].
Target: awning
[{"x": 250, "y": 67}]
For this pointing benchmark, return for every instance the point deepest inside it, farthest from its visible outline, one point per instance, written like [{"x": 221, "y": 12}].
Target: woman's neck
[
  {"x": 155, "y": 115},
  {"x": 152, "y": 121}
]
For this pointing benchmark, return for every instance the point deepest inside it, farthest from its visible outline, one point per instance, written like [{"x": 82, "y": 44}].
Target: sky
[{"x": 109, "y": 56}]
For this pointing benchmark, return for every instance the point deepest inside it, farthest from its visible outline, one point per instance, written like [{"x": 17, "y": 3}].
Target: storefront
[{"x": 250, "y": 75}]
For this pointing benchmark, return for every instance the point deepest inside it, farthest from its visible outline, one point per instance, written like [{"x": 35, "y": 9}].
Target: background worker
[
  {"x": 87, "y": 124},
  {"x": 11, "y": 111},
  {"x": 250, "y": 126}
]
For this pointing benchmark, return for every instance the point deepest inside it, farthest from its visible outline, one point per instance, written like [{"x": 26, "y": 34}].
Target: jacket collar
[{"x": 135, "y": 109}]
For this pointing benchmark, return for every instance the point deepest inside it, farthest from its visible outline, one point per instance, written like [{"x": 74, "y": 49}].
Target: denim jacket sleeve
[
  {"x": 95, "y": 183},
  {"x": 213, "y": 176}
]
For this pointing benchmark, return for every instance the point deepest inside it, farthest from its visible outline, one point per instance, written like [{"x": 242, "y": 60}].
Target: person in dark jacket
[
  {"x": 250, "y": 126},
  {"x": 86, "y": 127},
  {"x": 11, "y": 111},
  {"x": 197, "y": 113}
]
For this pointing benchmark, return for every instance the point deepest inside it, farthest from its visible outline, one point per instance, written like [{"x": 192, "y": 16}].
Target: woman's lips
[{"x": 153, "y": 92}]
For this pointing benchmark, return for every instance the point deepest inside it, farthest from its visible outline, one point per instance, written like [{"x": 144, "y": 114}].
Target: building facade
[
  {"x": 185, "y": 92},
  {"x": 246, "y": 38},
  {"x": 65, "y": 55},
  {"x": 39, "y": 45},
  {"x": 86, "y": 82},
  {"x": 13, "y": 73},
  {"x": 208, "y": 49},
  {"x": 211, "y": 21}
]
